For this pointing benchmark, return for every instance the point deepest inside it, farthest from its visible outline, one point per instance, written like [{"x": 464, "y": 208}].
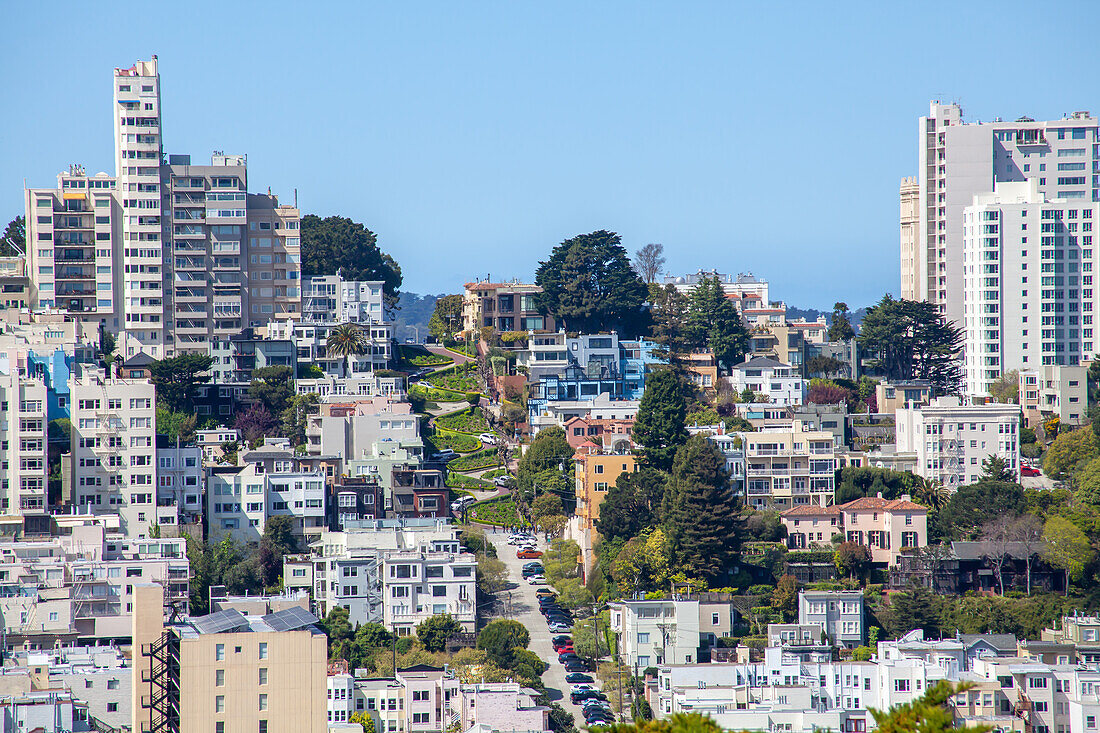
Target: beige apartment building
[
  {"x": 1054, "y": 391},
  {"x": 227, "y": 672},
  {"x": 23, "y": 426},
  {"x": 787, "y": 467},
  {"x": 15, "y": 287},
  {"x": 503, "y": 306},
  {"x": 113, "y": 447}
]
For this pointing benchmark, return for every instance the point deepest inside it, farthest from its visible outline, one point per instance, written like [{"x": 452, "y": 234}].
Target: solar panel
[
  {"x": 221, "y": 622},
  {"x": 290, "y": 619}
]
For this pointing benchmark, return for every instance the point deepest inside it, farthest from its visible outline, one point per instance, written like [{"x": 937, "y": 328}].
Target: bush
[
  {"x": 436, "y": 395},
  {"x": 459, "y": 378},
  {"x": 477, "y": 461},
  {"x": 501, "y": 512},
  {"x": 455, "y": 441},
  {"x": 457, "y": 480},
  {"x": 761, "y": 590},
  {"x": 471, "y": 421}
]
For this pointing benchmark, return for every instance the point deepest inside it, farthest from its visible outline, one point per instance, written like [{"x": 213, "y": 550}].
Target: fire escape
[{"x": 163, "y": 700}]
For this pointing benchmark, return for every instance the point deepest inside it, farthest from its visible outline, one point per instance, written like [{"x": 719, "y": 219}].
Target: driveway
[{"x": 521, "y": 605}]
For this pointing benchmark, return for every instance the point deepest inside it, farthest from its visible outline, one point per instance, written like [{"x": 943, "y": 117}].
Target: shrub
[
  {"x": 436, "y": 395},
  {"x": 501, "y": 512},
  {"x": 477, "y": 461},
  {"x": 457, "y": 480},
  {"x": 455, "y": 441},
  {"x": 471, "y": 421}
]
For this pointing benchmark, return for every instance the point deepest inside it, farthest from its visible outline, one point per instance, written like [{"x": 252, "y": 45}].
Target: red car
[
  {"x": 528, "y": 554},
  {"x": 1029, "y": 471}
]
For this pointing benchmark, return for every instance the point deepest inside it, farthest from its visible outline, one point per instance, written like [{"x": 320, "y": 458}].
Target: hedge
[
  {"x": 457, "y": 480},
  {"x": 455, "y": 441},
  {"x": 501, "y": 512},
  {"x": 436, "y": 395},
  {"x": 470, "y": 421},
  {"x": 475, "y": 461}
]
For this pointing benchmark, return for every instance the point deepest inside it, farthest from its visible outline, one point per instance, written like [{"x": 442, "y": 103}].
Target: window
[
  {"x": 219, "y": 652},
  {"x": 439, "y": 591},
  {"x": 263, "y": 675},
  {"x": 901, "y": 685},
  {"x": 219, "y": 704},
  {"x": 219, "y": 678},
  {"x": 643, "y": 637},
  {"x": 112, "y": 707},
  {"x": 263, "y": 726},
  {"x": 263, "y": 701},
  {"x": 263, "y": 650}
]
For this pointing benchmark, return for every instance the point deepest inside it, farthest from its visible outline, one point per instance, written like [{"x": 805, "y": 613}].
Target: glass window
[{"x": 219, "y": 652}]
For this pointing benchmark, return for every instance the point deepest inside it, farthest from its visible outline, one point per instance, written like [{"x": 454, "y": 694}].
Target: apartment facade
[
  {"x": 787, "y": 467},
  {"x": 781, "y": 383},
  {"x": 113, "y": 447},
  {"x": 596, "y": 471},
  {"x": 332, "y": 299},
  {"x": 951, "y": 439},
  {"x": 504, "y": 307},
  {"x": 311, "y": 342},
  {"x": 240, "y": 499},
  {"x": 74, "y": 242},
  {"x": 23, "y": 442},
  {"x": 839, "y": 613},
  {"x": 958, "y": 160},
  {"x": 1060, "y": 391},
  {"x": 670, "y": 631},
  {"x": 227, "y": 671},
  {"x": 1028, "y": 294}
]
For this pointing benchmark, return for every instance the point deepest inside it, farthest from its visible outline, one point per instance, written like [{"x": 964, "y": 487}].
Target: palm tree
[
  {"x": 345, "y": 340},
  {"x": 930, "y": 492}
]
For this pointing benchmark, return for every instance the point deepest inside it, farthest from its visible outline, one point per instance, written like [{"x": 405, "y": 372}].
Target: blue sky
[{"x": 472, "y": 137}]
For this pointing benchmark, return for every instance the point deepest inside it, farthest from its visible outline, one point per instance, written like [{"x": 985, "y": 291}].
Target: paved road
[
  {"x": 524, "y": 608},
  {"x": 459, "y": 358}
]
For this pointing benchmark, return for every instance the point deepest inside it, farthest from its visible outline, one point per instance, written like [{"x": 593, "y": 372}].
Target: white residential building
[
  {"x": 656, "y": 632},
  {"x": 958, "y": 160},
  {"x": 1060, "y": 391},
  {"x": 352, "y": 429},
  {"x": 839, "y": 613},
  {"x": 113, "y": 447},
  {"x": 240, "y": 499},
  {"x": 780, "y": 383},
  {"x": 787, "y": 467},
  {"x": 179, "y": 483},
  {"x": 23, "y": 448},
  {"x": 98, "y": 678},
  {"x": 1028, "y": 294},
  {"x": 332, "y": 299},
  {"x": 396, "y": 572},
  {"x": 951, "y": 439},
  {"x": 311, "y": 341}
]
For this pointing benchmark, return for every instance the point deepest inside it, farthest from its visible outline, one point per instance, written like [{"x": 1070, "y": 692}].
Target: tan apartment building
[
  {"x": 227, "y": 672},
  {"x": 504, "y": 307},
  {"x": 596, "y": 471},
  {"x": 1054, "y": 391},
  {"x": 789, "y": 466},
  {"x": 15, "y": 289},
  {"x": 890, "y": 396},
  {"x": 23, "y": 432}
]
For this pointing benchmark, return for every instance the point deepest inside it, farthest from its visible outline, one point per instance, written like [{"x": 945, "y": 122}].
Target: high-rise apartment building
[
  {"x": 74, "y": 240},
  {"x": 959, "y": 160},
  {"x": 1028, "y": 291},
  {"x": 910, "y": 206},
  {"x": 138, "y": 157},
  {"x": 23, "y": 422},
  {"x": 113, "y": 447}
]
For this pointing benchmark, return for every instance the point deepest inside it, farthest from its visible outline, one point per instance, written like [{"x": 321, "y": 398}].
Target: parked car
[
  {"x": 578, "y": 677},
  {"x": 517, "y": 538},
  {"x": 1029, "y": 471},
  {"x": 557, "y": 627},
  {"x": 528, "y": 554},
  {"x": 444, "y": 455},
  {"x": 489, "y": 438},
  {"x": 545, "y": 593},
  {"x": 529, "y": 572},
  {"x": 536, "y": 580},
  {"x": 566, "y": 656},
  {"x": 501, "y": 480},
  {"x": 575, "y": 665},
  {"x": 562, "y": 646},
  {"x": 578, "y": 697}
]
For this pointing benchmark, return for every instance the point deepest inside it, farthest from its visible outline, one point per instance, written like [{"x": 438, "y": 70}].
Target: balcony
[{"x": 72, "y": 255}]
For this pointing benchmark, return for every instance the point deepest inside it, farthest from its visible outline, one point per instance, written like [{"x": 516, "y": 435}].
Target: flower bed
[
  {"x": 475, "y": 461},
  {"x": 471, "y": 421},
  {"x": 461, "y": 378}
]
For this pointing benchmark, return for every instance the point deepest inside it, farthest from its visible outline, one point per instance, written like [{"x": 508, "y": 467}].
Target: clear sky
[{"x": 474, "y": 136}]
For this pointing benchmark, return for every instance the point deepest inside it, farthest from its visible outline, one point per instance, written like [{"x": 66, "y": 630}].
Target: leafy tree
[
  {"x": 338, "y": 244},
  {"x": 548, "y": 451},
  {"x": 545, "y": 505},
  {"x": 13, "y": 241},
  {"x": 435, "y": 631},
  {"x": 632, "y": 504},
  {"x": 176, "y": 378},
  {"x": 785, "y": 596},
  {"x": 176, "y": 425},
  {"x": 916, "y": 608},
  {"x": 994, "y": 468},
  {"x": 346, "y": 340},
  {"x": 715, "y": 324},
  {"x": 911, "y": 340},
  {"x": 500, "y": 636},
  {"x": 254, "y": 423},
  {"x": 669, "y": 313},
  {"x": 766, "y": 526},
  {"x": 976, "y": 505},
  {"x": 930, "y": 492},
  {"x": 824, "y": 365},
  {"x": 841, "y": 328},
  {"x": 827, "y": 392},
  {"x": 364, "y": 719},
  {"x": 1067, "y": 547},
  {"x": 60, "y": 430},
  {"x": 1069, "y": 453},
  {"x": 272, "y": 387},
  {"x": 338, "y": 630},
  {"x": 930, "y": 713},
  {"x": 589, "y": 286},
  {"x": 643, "y": 563},
  {"x": 1006, "y": 388},
  {"x": 492, "y": 574},
  {"x": 649, "y": 260},
  {"x": 851, "y": 559},
  {"x": 295, "y": 418},
  {"x": 277, "y": 542},
  {"x": 1088, "y": 483},
  {"x": 659, "y": 425},
  {"x": 700, "y": 511},
  {"x": 446, "y": 320}
]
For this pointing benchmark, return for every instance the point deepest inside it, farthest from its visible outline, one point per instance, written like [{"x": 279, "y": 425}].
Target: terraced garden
[
  {"x": 475, "y": 461},
  {"x": 471, "y": 420}
]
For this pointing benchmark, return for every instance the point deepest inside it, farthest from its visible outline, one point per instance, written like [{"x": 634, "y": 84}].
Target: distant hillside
[
  {"x": 414, "y": 310},
  {"x": 811, "y": 314}
]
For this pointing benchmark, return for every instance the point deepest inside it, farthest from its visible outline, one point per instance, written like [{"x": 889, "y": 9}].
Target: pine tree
[
  {"x": 700, "y": 511},
  {"x": 659, "y": 426},
  {"x": 714, "y": 323}
]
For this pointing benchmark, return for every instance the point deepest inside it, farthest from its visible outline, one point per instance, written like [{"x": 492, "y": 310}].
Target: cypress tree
[
  {"x": 659, "y": 426},
  {"x": 700, "y": 511}
]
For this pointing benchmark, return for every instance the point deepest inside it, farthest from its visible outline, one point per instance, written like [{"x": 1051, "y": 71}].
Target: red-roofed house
[
  {"x": 613, "y": 435},
  {"x": 885, "y": 526}
]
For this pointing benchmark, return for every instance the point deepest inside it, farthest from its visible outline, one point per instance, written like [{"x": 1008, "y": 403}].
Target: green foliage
[
  {"x": 501, "y": 512},
  {"x": 994, "y": 468},
  {"x": 176, "y": 378},
  {"x": 910, "y": 340},
  {"x": 549, "y": 451},
  {"x": 364, "y": 719},
  {"x": 545, "y": 505},
  {"x": 851, "y": 559},
  {"x": 433, "y": 632},
  {"x": 1006, "y": 389},
  {"x": 14, "y": 239},
  {"x": 176, "y": 425},
  {"x": 60, "y": 430},
  {"x": 841, "y": 328},
  {"x": 435, "y": 395},
  {"x": 714, "y": 323},
  {"x": 272, "y": 387},
  {"x": 1088, "y": 483},
  {"x": 588, "y": 285},
  {"x": 461, "y": 481},
  {"x": 228, "y": 563},
  {"x": 295, "y": 417},
  {"x": 460, "y": 378},
  {"x": 346, "y": 340},
  {"x": 659, "y": 426},
  {"x": 475, "y": 461},
  {"x": 492, "y": 574},
  {"x": 459, "y": 442},
  {"x": 500, "y": 637},
  {"x": 471, "y": 421},
  {"x": 700, "y": 511},
  {"x": 1066, "y": 547},
  {"x": 337, "y": 243},
  {"x": 446, "y": 319},
  {"x": 669, "y": 312},
  {"x": 1069, "y": 453},
  {"x": 632, "y": 504},
  {"x": 853, "y": 482},
  {"x": 976, "y": 505}
]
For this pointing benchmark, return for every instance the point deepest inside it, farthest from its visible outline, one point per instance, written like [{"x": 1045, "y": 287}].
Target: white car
[
  {"x": 536, "y": 580},
  {"x": 489, "y": 438},
  {"x": 501, "y": 480}
]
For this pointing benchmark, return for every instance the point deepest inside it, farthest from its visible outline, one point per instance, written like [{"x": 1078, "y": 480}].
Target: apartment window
[
  {"x": 263, "y": 675},
  {"x": 219, "y": 652},
  {"x": 901, "y": 685},
  {"x": 219, "y": 704},
  {"x": 263, "y": 650},
  {"x": 643, "y": 637},
  {"x": 219, "y": 678},
  {"x": 263, "y": 726},
  {"x": 112, "y": 707},
  {"x": 263, "y": 701}
]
